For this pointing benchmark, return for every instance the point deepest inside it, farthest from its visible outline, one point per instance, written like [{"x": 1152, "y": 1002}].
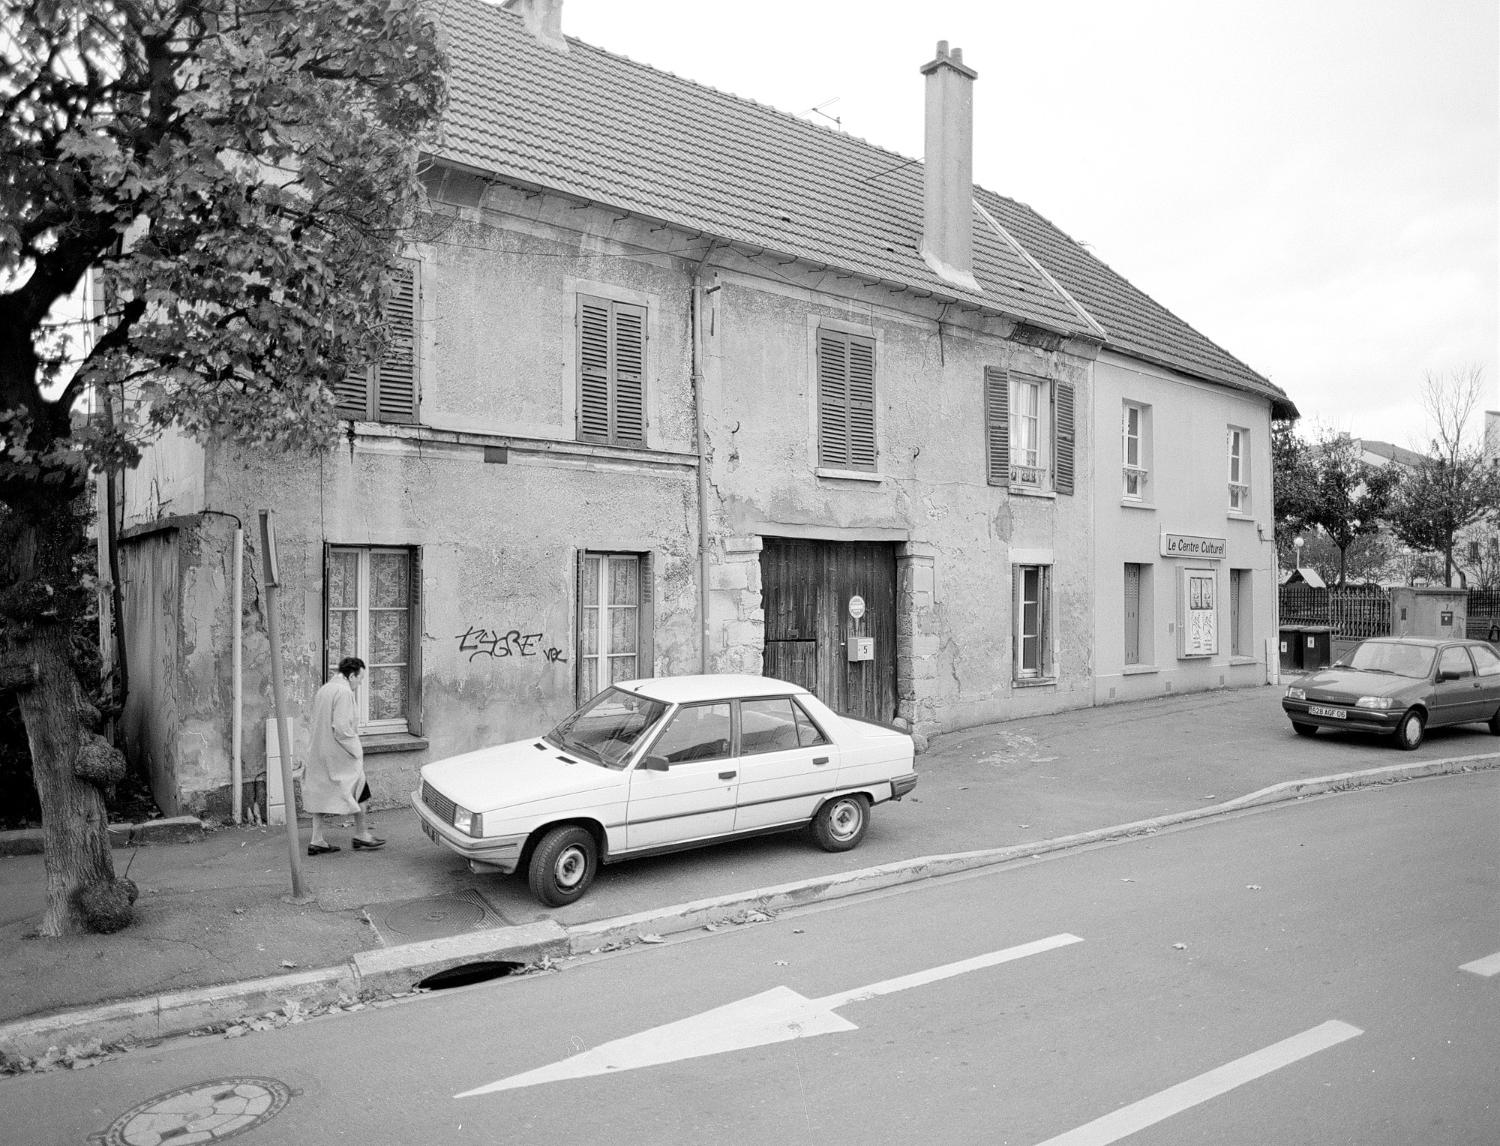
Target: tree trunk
[{"x": 75, "y": 826}]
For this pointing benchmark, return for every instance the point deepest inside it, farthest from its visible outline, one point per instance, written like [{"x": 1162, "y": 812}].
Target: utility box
[
  {"x": 1291, "y": 648},
  {"x": 1317, "y": 647},
  {"x": 1429, "y": 612},
  {"x": 861, "y": 648}
]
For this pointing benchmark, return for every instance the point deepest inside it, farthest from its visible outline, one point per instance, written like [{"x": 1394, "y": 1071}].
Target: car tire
[
  {"x": 1495, "y": 723},
  {"x": 563, "y": 865},
  {"x": 1304, "y": 729},
  {"x": 1409, "y": 731},
  {"x": 841, "y": 823}
]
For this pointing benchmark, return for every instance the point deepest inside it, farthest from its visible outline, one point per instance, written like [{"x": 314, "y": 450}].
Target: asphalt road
[{"x": 1294, "y": 975}]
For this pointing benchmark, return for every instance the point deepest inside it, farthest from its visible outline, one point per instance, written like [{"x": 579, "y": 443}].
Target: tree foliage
[
  {"x": 1455, "y": 484},
  {"x": 236, "y": 175},
  {"x": 1292, "y": 481},
  {"x": 1349, "y": 495}
]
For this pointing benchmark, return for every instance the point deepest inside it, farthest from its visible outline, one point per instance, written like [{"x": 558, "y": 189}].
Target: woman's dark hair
[{"x": 351, "y": 665}]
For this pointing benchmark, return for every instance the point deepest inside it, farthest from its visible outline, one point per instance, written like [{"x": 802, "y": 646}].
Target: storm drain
[
  {"x": 203, "y": 1112},
  {"x": 435, "y": 917},
  {"x": 466, "y": 974}
]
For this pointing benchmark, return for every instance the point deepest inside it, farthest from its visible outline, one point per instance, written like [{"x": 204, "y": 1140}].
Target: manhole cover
[
  {"x": 437, "y": 916},
  {"x": 203, "y": 1112}
]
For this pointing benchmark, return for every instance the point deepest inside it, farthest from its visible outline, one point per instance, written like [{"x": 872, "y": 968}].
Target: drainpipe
[
  {"x": 696, "y": 313},
  {"x": 236, "y": 718}
]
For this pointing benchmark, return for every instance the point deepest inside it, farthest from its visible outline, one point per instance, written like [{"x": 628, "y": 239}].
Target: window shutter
[
  {"x": 1062, "y": 479},
  {"x": 414, "y": 648},
  {"x": 833, "y": 400},
  {"x": 351, "y": 395},
  {"x": 997, "y": 425},
  {"x": 630, "y": 374},
  {"x": 861, "y": 404},
  {"x": 396, "y": 386},
  {"x": 593, "y": 369}
]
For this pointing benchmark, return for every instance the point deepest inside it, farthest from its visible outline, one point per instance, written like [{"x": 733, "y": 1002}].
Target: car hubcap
[
  {"x": 570, "y": 867},
  {"x": 845, "y": 819}
]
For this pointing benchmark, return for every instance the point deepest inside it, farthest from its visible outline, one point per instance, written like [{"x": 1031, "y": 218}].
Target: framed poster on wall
[{"x": 1197, "y": 613}]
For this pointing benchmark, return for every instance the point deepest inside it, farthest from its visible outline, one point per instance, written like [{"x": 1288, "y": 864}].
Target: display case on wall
[{"x": 1197, "y": 613}]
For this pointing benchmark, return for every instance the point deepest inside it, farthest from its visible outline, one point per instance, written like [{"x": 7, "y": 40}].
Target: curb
[{"x": 395, "y": 970}]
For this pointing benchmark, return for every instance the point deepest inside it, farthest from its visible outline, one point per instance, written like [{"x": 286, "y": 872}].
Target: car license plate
[
  {"x": 429, "y": 831},
  {"x": 1312, "y": 710}
]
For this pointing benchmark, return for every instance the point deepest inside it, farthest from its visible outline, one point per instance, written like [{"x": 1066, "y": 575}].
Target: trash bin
[
  {"x": 1291, "y": 648},
  {"x": 1317, "y": 647}
]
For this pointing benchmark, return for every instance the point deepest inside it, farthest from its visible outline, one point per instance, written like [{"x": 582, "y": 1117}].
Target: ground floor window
[
  {"x": 1239, "y": 613},
  {"x": 614, "y": 619},
  {"x": 1132, "y": 613},
  {"x": 371, "y": 613},
  {"x": 1030, "y": 585}
]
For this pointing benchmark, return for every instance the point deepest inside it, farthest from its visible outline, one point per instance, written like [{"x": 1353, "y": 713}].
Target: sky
[{"x": 1312, "y": 184}]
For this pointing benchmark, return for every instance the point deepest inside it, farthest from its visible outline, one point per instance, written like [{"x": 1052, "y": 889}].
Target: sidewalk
[{"x": 214, "y": 938}]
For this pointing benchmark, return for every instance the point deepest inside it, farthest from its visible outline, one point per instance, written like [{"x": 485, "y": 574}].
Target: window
[
  {"x": 372, "y": 613},
  {"x": 1456, "y": 660},
  {"x": 775, "y": 724},
  {"x": 1028, "y": 431},
  {"x": 1486, "y": 662},
  {"x": 1030, "y": 589},
  {"x": 611, "y": 372},
  {"x": 1239, "y": 470},
  {"x": 1132, "y": 613},
  {"x": 614, "y": 623},
  {"x": 695, "y": 732},
  {"x": 1239, "y": 613},
  {"x": 846, "y": 401},
  {"x": 1134, "y": 441},
  {"x": 387, "y": 391}
]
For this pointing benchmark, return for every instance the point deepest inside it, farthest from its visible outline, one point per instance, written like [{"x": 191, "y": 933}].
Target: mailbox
[{"x": 861, "y": 648}]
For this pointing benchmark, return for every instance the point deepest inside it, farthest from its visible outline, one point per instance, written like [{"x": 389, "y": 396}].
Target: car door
[
  {"x": 1455, "y": 701},
  {"x": 1487, "y": 671},
  {"x": 692, "y": 798},
  {"x": 787, "y": 763}
]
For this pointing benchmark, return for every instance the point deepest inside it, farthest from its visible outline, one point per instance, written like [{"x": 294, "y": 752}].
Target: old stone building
[{"x": 682, "y": 383}]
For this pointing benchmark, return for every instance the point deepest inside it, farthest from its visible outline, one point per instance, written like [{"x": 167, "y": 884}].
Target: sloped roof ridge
[
  {"x": 735, "y": 96},
  {"x": 1088, "y": 253}
]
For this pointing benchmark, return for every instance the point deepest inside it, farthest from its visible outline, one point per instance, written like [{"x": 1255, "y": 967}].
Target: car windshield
[
  {"x": 1392, "y": 657},
  {"x": 608, "y": 727}
]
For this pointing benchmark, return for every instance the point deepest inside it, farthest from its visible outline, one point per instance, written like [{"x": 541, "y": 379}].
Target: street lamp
[{"x": 1297, "y": 543}]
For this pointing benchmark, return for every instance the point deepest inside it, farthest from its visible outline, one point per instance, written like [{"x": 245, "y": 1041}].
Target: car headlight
[
  {"x": 1295, "y": 693},
  {"x": 467, "y": 821},
  {"x": 1380, "y": 702}
]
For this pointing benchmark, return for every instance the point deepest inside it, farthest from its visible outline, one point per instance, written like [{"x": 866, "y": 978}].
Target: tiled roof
[{"x": 603, "y": 128}]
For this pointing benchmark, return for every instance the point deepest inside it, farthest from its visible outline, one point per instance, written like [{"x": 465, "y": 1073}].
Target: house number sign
[{"x": 856, "y": 606}]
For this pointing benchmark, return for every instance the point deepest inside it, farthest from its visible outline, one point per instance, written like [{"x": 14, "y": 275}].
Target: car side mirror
[{"x": 657, "y": 764}]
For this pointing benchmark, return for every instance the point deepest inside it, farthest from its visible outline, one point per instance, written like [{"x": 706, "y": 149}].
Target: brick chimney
[{"x": 948, "y": 213}]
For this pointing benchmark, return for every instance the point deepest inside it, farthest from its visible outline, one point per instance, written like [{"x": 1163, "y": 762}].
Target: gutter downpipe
[
  {"x": 696, "y": 310},
  {"x": 236, "y": 719}
]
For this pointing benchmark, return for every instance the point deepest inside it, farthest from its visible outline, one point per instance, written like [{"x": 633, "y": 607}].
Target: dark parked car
[{"x": 1400, "y": 686}]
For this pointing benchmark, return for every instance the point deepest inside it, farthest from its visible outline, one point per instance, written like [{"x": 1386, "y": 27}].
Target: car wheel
[
  {"x": 1304, "y": 729},
  {"x": 1495, "y": 723},
  {"x": 563, "y": 866},
  {"x": 840, "y": 824},
  {"x": 1409, "y": 731}
]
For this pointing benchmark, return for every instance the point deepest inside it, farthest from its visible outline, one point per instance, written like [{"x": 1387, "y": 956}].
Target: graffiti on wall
[{"x": 495, "y": 644}]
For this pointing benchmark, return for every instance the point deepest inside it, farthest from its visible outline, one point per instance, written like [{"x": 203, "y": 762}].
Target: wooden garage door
[{"x": 807, "y": 587}]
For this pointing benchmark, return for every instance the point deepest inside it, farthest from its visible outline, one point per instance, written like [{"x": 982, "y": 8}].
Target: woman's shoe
[
  {"x": 321, "y": 849},
  {"x": 367, "y": 845}
]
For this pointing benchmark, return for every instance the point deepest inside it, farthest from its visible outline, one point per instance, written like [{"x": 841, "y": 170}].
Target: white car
[{"x": 650, "y": 766}]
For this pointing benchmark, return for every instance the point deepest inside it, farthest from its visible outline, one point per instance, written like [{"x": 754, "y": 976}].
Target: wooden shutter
[
  {"x": 997, "y": 425},
  {"x": 611, "y": 372},
  {"x": 396, "y": 381},
  {"x": 1132, "y": 613},
  {"x": 846, "y": 401},
  {"x": 351, "y": 394},
  {"x": 629, "y": 373},
  {"x": 1062, "y": 469}
]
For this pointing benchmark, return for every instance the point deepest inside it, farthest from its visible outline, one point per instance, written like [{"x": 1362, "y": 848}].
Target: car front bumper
[
  {"x": 498, "y": 853},
  {"x": 1382, "y": 723}
]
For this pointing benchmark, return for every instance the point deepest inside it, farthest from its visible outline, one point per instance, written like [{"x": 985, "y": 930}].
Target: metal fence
[{"x": 1359, "y": 611}]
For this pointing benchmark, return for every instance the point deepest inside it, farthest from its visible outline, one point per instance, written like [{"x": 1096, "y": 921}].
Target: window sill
[
  {"x": 1236, "y": 515},
  {"x": 1236, "y": 661},
  {"x": 1130, "y": 503},
  {"x": 392, "y": 742},
  {"x": 1137, "y": 670},
  {"x": 1027, "y": 491},
  {"x": 1034, "y": 682},
  {"x": 849, "y": 475}
]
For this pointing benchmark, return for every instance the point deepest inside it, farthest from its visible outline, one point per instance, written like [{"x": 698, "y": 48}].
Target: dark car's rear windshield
[{"x": 1388, "y": 656}]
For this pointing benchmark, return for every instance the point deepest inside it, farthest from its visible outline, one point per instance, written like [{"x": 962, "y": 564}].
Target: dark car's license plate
[
  {"x": 429, "y": 831},
  {"x": 1312, "y": 710}
]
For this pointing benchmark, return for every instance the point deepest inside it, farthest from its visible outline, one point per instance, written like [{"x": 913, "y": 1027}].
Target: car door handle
[
  {"x": 820, "y": 760},
  {"x": 726, "y": 775}
]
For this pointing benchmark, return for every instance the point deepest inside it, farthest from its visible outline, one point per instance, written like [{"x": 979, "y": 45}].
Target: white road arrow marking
[{"x": 774, "y": 1016}]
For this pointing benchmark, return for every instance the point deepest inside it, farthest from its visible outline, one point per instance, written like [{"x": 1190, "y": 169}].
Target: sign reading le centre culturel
[{"x": 1187, "y": 545}]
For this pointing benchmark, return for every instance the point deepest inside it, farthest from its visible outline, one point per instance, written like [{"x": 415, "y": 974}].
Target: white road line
[
  {"x": 1489, "y": 965},
  {"x": 1175, "y": 1099},
  {"x": 947, "y": 971}
]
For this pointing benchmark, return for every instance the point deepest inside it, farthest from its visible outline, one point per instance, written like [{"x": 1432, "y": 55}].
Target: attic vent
[{"x": 1028, "y": 335}]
